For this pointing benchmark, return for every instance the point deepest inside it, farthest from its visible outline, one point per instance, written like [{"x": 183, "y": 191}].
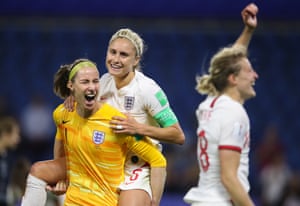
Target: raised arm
[{"x": 249, "y": 18}]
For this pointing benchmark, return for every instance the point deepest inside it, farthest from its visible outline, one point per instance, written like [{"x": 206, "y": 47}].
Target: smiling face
[
  {"x": 245, "y": 80},
  {"x": 121, "y": 58},
  {"x": 85, "y": 88}
]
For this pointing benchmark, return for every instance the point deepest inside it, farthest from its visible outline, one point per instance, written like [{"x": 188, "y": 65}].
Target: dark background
[{"x": 214, "y": 9}]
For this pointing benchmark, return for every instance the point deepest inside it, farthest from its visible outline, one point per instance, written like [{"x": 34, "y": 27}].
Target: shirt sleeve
[
  {"x": 233, "y": 127},
  {"x": 57, "y": 118},
  {"x": 147, "y": 151},
  {"x": 158, "y": 106}
]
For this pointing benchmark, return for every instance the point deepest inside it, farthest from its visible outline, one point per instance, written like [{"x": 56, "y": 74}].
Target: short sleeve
[
  {"x": 158, "y": 106},
  {"x": 233, "y": 128}
]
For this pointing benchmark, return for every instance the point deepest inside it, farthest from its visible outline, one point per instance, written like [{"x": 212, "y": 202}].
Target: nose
[
  {"x": 256, "y": 75},
  {"x": 116, "y": 58},
  {"x": 93, "y": 85}
]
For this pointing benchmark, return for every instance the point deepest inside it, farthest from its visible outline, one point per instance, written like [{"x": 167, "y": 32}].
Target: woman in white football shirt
[
  {"x": 148, "y": 109},
  {"x": 223, "y": 125}
]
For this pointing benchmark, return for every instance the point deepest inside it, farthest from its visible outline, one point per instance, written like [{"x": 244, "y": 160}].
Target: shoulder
[
  {"x": 226, "y": 102},
  {"x": 59, "y": 113},
  {"x": 111, "y": 111},
  {"x": 229, "y": 108},
  {"x": 208, "y": 102},
  {"x": 146, "y": 83},
  {"x": 59, "y": 109},
  {"x": 106, "y": 78}
]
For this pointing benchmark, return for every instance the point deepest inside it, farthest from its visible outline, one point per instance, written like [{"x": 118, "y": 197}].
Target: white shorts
[{"x": 137, "y": 174}]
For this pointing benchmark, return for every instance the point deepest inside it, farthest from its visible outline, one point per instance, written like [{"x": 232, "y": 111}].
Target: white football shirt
[
  {"x": 222, "y": 124},
  {"x": 142, "y": 98}
]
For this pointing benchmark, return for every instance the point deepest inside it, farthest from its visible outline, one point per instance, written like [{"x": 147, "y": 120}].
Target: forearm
[
  {"x": 128, "y": 125},
  {"x": 245, "y": 37},
  {"x": 171, "y": 134},
  {"x": 230, "y": 162},
  {"x": 237, "y": 192},
  {"x": 157, "y": 182}
]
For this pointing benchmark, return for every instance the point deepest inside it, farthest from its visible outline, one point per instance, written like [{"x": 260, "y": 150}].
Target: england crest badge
[
  {"x": 98, "y": 137},
  {"x": 128, "y": 103}
]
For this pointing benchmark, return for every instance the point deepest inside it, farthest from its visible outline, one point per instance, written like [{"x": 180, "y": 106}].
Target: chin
[
  {"x": 90, "y": 105},
  {"x": 252, "y": 95}
]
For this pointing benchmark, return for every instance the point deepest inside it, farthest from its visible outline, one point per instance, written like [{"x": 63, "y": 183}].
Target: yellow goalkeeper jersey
[{"x": 95, "y": 155}]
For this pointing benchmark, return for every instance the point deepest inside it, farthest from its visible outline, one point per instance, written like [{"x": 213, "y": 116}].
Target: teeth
[
  {"x": 115, "y": 67},
  {"x": 90, "y": 97}
]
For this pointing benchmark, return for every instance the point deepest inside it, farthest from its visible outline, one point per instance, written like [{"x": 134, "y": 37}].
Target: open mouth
[{"x": 90, "y": 97}]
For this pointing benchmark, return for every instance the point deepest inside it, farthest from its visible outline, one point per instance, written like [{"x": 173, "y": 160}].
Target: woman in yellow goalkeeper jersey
[{"x": 95, "y": 155}]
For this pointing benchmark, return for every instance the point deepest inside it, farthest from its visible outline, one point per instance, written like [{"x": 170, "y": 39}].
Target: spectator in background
[
  {"x": 9, "y": 139},
  {"x": 38, "y": 128},
  {"x": 273, "y": 179},
  {"x": 269, "y": 147},
  {"x": 17, "y": 182},
  {"x": 274, "y": 172},
  {"x": 291, "y": 193}
]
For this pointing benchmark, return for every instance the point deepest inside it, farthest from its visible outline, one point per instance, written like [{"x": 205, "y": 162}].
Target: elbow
[
  {"x": 180, "y": 139},
  {"x": 176, "y": 135}
]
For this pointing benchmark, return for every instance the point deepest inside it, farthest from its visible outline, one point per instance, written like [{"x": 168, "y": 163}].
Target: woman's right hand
[{"x": 249, "y": 15}]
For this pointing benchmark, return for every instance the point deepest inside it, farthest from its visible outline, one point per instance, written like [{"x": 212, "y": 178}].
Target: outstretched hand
[{"x": 249, "y": 15}]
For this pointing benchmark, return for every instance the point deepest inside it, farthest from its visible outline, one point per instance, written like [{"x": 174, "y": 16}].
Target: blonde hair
[
  {"x": 223, "y": 63},
  {"x": 135, "y": 39}
]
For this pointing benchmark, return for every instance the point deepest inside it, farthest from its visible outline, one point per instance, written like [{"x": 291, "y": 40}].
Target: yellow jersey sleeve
[
  {"x": 147, "y": 151},
  {"x": 58, "y": 118}
]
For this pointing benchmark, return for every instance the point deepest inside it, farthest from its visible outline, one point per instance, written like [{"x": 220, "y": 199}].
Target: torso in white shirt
[
  {"x": 142, "y": 98},
  {"x": 222, "y": 124}
]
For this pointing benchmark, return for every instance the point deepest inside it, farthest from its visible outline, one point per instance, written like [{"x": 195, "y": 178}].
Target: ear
[
  {"x": 137, "y": 60},
  {"x": 70, "y": 85},
  {"x": 232, "y": 80}
]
